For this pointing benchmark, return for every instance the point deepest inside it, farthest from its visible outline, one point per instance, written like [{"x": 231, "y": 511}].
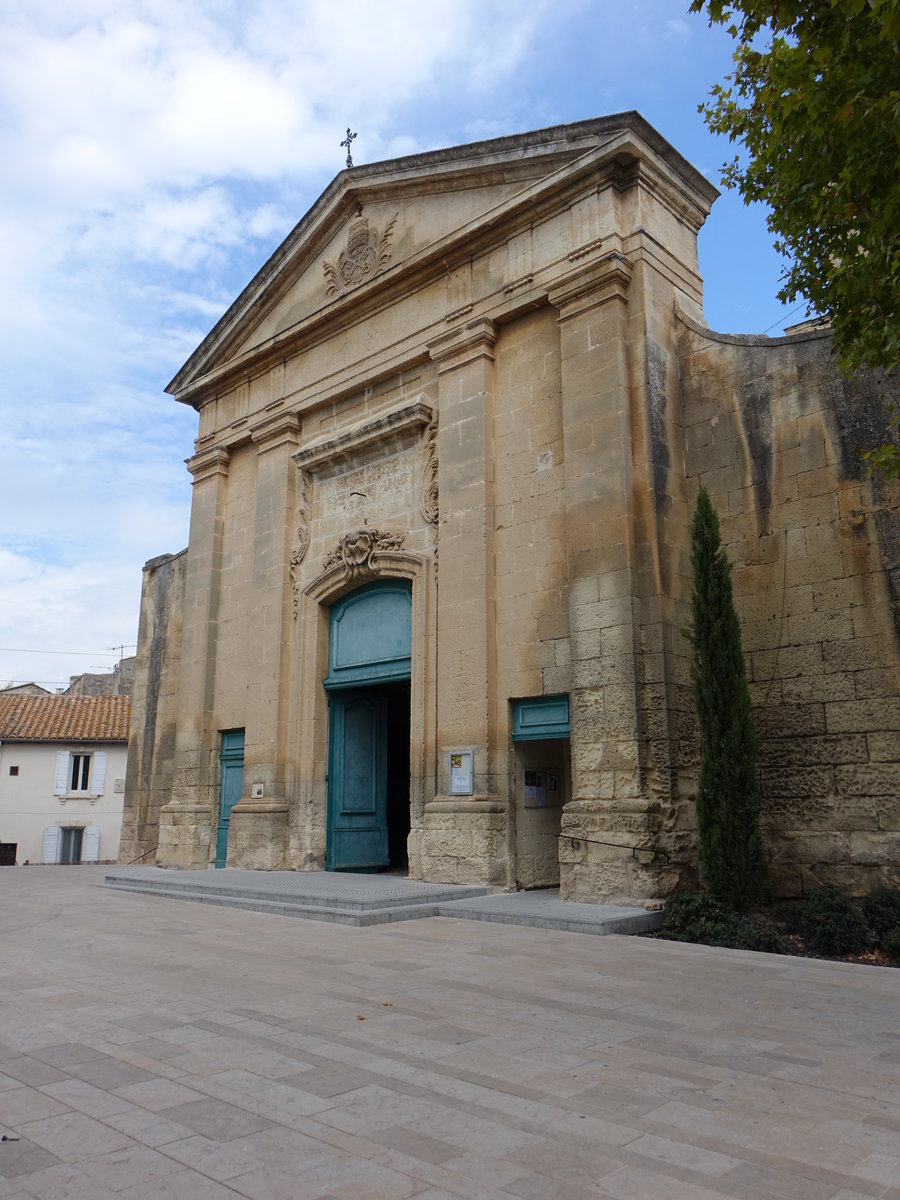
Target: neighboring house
[
  {"x": 432, "y": 609},
  {"x": 120, "y": 682},
  {"x": 62, "y": 777},
  {"x": 25, "y": 689}
]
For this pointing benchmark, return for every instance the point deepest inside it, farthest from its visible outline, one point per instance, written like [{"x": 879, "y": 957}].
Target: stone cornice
[
  {"x": 591, "y": 285},
  {"x": 459, "y": 347},
  {"x": 275, "y": 430},
  {"x": 209, "y": 463},
  {"x": 392, "y": 430}
]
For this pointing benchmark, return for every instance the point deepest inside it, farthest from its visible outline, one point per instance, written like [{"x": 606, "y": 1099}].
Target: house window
[
  {"x": 81, "y": 774},
  {"x": 13, "y": 770},
  {"x": 81, "y": 770}
]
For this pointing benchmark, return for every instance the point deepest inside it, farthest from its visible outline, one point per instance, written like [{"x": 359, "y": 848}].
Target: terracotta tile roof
[{"x": 64, "y": 718}]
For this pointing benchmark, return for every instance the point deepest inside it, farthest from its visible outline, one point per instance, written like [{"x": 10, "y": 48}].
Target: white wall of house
[{"x": 38, "y": 794}]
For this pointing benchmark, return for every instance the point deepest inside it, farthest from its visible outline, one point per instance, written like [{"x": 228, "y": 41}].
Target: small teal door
[
  {"x": 369, "y": 654},
  {"x": 231, "y": 787},
  {"x": 357, "y": 782}
]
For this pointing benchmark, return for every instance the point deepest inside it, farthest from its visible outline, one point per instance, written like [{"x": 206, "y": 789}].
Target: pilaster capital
[
  {"x": 459, "y": 347},
  {"x": 591, "y": 285},
  {"x": 276, "y": 429},
  {"x": 208, "y": 463}
]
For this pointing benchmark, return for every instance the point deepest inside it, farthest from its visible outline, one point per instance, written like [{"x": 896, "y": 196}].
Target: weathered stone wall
[
  {"x": 775, "y": 435},
  {"x": 151, "y": 744}
]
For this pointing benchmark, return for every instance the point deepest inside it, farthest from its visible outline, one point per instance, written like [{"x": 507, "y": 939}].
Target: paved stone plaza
[{"x": 163, "y": 1050}]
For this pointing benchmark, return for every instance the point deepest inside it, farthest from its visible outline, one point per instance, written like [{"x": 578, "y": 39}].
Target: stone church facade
[{"x": 431, "y": 611}]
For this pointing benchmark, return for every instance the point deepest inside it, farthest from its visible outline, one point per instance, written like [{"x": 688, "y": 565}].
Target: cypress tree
[{"x": 732, "y": 859}]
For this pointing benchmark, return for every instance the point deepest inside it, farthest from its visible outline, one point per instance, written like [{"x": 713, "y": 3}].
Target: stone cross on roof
[{"x": 347, "y": 142}]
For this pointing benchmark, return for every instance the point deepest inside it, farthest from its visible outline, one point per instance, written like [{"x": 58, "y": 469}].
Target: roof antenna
[{"x": 347, "y": 142}]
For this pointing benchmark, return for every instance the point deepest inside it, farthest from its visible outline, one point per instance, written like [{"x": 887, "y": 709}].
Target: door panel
[{"x": 357, "y": 782}]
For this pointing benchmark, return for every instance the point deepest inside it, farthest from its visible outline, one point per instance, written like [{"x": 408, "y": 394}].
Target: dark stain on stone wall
[
  {"x": 656, "y": 367},
  {"x": 862, "y": 419},
  {"x": 755, "y": 414}
]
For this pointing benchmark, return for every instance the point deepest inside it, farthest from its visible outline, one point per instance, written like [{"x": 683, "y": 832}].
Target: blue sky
[{"x": 156, "y": 152}]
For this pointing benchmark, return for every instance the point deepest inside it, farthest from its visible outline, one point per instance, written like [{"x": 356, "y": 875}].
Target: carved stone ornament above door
[
  {"x": 358, "y": 552},
  {"x": 368, "y": 253}
]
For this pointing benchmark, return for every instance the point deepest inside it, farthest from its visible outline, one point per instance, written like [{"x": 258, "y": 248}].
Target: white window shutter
[
  {"x": 90, "y": 847},
  {"x": 50, "y": 848},
  {"x": 61, "y": 783},
  {"x": 98, "y": 770}
]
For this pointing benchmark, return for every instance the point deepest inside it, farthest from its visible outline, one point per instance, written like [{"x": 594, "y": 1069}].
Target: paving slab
[{"x": 436, "y": 1059}]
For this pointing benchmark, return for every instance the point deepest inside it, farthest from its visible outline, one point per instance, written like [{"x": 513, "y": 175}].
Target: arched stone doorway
[{"x": 368, "y": 685}]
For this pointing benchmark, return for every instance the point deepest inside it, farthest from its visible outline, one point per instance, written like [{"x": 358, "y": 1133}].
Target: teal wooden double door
[{"x": 368, "y": 758}]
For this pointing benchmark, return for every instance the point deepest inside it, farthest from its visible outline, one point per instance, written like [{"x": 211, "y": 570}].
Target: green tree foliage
[
  {"x": 732, "y": 860},
  {"x": 815, "y": 100}
]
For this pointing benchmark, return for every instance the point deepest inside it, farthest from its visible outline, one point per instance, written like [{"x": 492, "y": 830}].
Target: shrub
[
  {"x": 881, "y": 909},
  {"x": 832, "y": 923},
  {"x": 699, "y": 917},
  {"x": 891, "y": 944}
]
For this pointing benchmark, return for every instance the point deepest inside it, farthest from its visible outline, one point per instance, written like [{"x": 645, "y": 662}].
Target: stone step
[
  {"x": 341, "y": 893},
  {"x": 571, "y": 917},
  {"x": 283, "y": 905}
]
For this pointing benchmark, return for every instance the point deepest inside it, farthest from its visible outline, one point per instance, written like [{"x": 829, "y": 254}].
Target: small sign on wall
[{"x": 462, "y": 772}]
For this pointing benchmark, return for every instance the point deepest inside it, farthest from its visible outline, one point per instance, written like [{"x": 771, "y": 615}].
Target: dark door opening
[
  {"x": 368, "y": 786},
  {"x": 398, "y": 774}
]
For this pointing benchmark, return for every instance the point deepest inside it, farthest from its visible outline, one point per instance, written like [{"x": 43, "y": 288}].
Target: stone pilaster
[
  {"x": 259, "y": 823},
  {"x": 612, "y": 806},
  {"x": 186, "y": 822},
  {"x": 464, "y": 837}
]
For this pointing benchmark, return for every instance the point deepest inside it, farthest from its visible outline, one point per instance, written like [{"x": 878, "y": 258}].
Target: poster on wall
[
  {"x": 462, "y": 772},
  {"x": 535, "y": 789}
]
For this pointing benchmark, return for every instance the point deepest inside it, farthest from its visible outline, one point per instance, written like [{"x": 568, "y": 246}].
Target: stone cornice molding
[
  {"x": 458, "y": 347},
  {"x": 389, "y": 431},
  {"x": 592, "y": 285},
  {"x": 209, "y": 463}
]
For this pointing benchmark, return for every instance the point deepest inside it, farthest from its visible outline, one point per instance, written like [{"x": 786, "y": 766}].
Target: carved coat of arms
[
  {"x": 358, "y": 552},
  {"x": 368, "y": 252}
]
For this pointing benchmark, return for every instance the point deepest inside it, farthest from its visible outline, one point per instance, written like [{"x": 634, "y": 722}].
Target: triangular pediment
[
  {"x": 376, "y": 222},
  {"x": 364, "y": 236}
]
